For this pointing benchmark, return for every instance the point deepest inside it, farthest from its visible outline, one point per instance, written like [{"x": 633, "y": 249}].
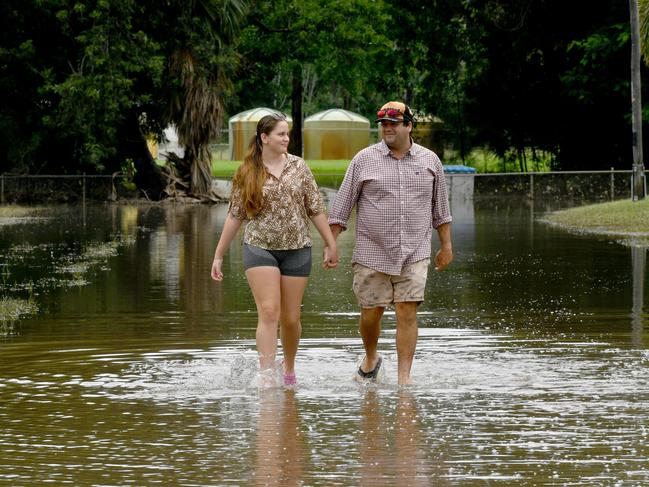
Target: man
[{"x": 400, "y": 195}]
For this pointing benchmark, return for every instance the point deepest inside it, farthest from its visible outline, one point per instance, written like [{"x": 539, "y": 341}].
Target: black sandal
[{"x": 372, "y": 374}]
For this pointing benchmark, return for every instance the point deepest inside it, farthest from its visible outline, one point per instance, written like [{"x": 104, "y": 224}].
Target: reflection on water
[
  {"x": 531, "y": 366},
  {"x": 638, "y": 259},
  {"x": 392, "y": 443},
  {"x": 281, "y": 447}
]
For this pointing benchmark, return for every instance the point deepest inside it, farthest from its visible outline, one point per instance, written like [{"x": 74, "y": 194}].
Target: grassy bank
[
  {"x": 15, "y": 211},
  {"x": 12, "y": 310},
  {"x": 622, "y": 218}
]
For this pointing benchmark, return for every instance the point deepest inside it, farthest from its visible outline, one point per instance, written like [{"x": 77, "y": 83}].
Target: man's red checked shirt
[{"x": 398, "y": 203}]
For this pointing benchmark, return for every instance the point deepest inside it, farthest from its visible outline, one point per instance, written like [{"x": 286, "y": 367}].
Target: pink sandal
[{"x": 290, "y": 379}]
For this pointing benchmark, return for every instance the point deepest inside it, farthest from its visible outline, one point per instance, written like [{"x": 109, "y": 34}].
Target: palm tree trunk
[{"x": 201, "y": 171}]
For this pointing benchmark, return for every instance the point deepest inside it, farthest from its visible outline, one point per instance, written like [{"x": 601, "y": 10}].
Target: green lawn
[
  {"x": 330, "y": 173},
  {"x": 618, "y": 218},
  {"x": 327, "y": 173},
  {"x": 483, "y": 161},
  {"x": 224, "y": 169},
  {"x": 486, "y": 161}
]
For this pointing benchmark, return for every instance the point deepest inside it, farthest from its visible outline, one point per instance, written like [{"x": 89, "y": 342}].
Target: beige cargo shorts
[{"x": 373, "y": 289}]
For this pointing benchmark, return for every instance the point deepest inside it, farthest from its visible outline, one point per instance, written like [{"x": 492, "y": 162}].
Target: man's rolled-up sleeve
[
  {"x": 441, "y": 207},
  {"x": 345, "y": 198}
]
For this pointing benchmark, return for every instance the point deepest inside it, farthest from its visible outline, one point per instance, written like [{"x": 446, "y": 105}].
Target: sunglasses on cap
[
  {"x": 389, "y": 112},
  {"x": 395, "y": 115}
]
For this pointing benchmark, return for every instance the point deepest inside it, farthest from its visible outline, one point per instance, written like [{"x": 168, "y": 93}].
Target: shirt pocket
[
  {"x": 420, "y": 181},
  {"x": 382, "y": 190}
]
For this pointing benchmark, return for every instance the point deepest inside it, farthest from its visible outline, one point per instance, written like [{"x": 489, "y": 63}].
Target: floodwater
[{"x": 531, "y": 367}]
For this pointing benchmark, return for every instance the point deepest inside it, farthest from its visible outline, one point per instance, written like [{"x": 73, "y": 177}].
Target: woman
[{"x": 276, "y": 194}]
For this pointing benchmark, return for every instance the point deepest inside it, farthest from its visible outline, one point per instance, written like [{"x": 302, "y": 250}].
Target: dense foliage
[
  {"x": 84, "y": 81},
  {"x": 87, "y": 81},
  {"x": 558, "y": 80}
]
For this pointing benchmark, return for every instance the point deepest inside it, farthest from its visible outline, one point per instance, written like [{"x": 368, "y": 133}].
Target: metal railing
[
  {"x": 65, "y": 187},
  {"x": 616, "y": 186},
  {"x": 79, "y": 188}
]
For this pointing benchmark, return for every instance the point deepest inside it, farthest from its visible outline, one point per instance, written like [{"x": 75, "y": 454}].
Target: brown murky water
[{"x": 532, "y": 363}]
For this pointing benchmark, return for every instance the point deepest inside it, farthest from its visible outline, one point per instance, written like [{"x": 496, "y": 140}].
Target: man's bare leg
[
  {"x": 407, "y": 333},
  {"x": 370, "y": 328}
]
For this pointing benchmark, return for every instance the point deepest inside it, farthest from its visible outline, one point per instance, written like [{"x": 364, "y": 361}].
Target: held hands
[
  {"x": 443, "y": 258},
  {"x": 217, "y": 273},
  {"x": 330, "y": 257}
]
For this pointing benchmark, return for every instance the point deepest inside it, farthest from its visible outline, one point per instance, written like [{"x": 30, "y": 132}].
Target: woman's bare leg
[
  {"x": 265, "y": 285},
  {"x": 290, "y": 325}
]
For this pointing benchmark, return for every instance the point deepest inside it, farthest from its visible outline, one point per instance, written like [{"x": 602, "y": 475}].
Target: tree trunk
[
  {"x": 295, "y": 146},
  {"x": 459, "y": 120},
  {"x": 148, "y": 176}
]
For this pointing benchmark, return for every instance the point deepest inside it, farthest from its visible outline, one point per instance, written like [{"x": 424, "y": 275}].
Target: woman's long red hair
[{"x": 251, "y": 175}]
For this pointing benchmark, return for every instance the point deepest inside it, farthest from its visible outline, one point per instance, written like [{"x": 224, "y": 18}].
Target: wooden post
[{"x": 612, "y": 184}]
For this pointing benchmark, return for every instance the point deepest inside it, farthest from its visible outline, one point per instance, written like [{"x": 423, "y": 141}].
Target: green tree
[
  {"x": 557, "y": 80},
  {"x": 97, "y": 77},
  {"x": 438, "y": 54},
  {"x": 202, "y": 62},
  {"x": 323, "y": 53}
]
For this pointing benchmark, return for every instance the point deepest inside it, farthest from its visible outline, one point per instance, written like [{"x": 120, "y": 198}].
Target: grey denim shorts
[{"x": 295, "y": 262}]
